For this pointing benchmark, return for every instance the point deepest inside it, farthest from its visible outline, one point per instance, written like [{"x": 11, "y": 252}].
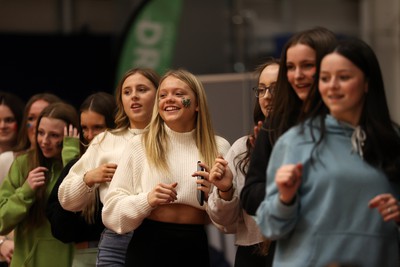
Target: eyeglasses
[{"x": 259, "y": 91}]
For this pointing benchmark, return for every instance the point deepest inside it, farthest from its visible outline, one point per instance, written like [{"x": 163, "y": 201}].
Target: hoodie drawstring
[{"x": 357, "y": 140}]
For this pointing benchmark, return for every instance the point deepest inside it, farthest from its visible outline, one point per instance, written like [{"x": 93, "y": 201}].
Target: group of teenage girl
[{"x": 116, "y": 184}]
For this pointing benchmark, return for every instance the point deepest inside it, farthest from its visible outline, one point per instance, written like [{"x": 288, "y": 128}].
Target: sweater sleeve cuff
[
  {"x": 285, "y": 211},
  {"x": 221, "y": 211},
  {"x": 70, "y": 149},
  {"x": 144, "y": 204},
  {"x": 133, "y": 211},
  {"x": 27, "y": 191},
  {"x": 220, "y": 202}
]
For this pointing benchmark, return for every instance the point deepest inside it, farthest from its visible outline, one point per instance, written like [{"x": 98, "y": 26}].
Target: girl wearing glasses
[{"x": 228, "y": 176}]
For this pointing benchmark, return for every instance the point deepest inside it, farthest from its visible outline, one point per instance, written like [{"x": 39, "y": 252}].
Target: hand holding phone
[{"x": 200, "y": 194}]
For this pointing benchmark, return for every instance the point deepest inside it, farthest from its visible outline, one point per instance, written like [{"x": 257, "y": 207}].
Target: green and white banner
[{"x": 150, "y": 40}]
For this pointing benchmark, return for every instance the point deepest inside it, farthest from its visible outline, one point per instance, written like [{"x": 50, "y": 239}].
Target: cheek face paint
[{"x": 186, "y": 102}]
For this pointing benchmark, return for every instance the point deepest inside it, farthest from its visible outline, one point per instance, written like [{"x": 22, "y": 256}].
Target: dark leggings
[
  {"x": 168, "y": 244},
  {"x": 247, "y": 256}
]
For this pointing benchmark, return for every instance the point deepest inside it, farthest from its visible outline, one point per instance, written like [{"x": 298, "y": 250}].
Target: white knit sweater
[
  {"x": 126, "y": 203},
  {"x": 106, "y": 147},
  {"x": 6, "y": 159}
]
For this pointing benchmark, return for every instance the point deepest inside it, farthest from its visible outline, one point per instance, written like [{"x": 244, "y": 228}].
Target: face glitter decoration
[{"x": 186, "y": 102}]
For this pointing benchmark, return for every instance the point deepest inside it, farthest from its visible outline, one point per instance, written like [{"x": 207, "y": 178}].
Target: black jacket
[
  {"x": 253, "y": 192},
  {"x": 69, "y": 226}
]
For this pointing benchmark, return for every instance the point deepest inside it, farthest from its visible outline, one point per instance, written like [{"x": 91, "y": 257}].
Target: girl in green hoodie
[{"x": 24, "y": 192}]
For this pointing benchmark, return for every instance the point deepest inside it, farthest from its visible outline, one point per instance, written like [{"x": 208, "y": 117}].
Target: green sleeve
[
  {"x": 71, "y": 149},
  {"x": 16, "y": 196}
]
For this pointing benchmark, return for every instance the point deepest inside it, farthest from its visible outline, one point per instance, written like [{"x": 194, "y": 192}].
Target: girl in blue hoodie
[{"x": 333, "y": 198}]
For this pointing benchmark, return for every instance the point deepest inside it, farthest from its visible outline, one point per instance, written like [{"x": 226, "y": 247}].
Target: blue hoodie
[{"x": 330, "y": 220}]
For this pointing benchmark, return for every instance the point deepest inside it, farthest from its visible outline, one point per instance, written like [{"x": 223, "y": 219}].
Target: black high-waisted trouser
[{"x": 168, "y": 244}]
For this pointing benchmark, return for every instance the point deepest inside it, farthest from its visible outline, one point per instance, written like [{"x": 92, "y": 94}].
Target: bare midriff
[{"x": 179, "y": 213}]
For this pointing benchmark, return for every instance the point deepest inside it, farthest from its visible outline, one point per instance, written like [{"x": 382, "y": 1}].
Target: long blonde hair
[
  {"x": 155, "y": 138},
  {"x": 121, "y": 124}
]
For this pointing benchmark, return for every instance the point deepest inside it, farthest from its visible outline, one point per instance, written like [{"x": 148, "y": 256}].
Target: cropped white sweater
[{"x": 126, "y": 203}]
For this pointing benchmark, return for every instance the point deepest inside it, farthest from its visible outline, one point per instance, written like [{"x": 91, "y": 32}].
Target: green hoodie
[{"x": 35, "y": 247}]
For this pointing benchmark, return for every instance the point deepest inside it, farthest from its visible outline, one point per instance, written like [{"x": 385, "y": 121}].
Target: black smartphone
[{"x": 200, "y": 194}]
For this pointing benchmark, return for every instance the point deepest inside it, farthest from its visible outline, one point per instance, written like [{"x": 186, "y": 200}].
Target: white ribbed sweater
[
  {"x": 106, "y": 147},
  {"x": 126, "y": 201}
]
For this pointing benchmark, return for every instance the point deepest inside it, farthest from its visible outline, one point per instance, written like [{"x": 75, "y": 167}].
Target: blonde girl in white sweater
[
  {"x": 91, "y": 175},
  {"x": 154, "y": 188}
]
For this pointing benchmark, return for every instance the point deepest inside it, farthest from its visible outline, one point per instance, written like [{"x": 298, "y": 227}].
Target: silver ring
[{"x": 389, "y": 210}]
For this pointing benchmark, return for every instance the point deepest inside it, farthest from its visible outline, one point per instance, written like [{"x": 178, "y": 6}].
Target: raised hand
[
  {"x": 71, "y": 131},
  {"x": 103, "y": 173},
  {"x": 288, "y": 180},
  {"x": 221, "y": 175},
  {"x": 254, "y": 136},
  {"x": 162, "y": 194},
  {"x": 7, "y": 250},
  {"x": 36, "y": 177}
]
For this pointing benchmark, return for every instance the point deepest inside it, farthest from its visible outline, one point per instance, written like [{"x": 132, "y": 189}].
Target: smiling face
[
  {"x": 177, "y": 104},
  {"x": 92, "y": 123},
  {"x": 267, "y": 79},
  {"x": 50, "y": 136},
  {"x": 138, "y": 96},
  {"x": 301, "y": 68},
  {"x": 33, "y": 116},
  {"x": 343, "y": 87},
  {"x": 8, "y": 128}
]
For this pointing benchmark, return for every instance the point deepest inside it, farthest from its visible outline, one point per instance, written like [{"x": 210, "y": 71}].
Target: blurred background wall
[{"x": 74, "y": 47}]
